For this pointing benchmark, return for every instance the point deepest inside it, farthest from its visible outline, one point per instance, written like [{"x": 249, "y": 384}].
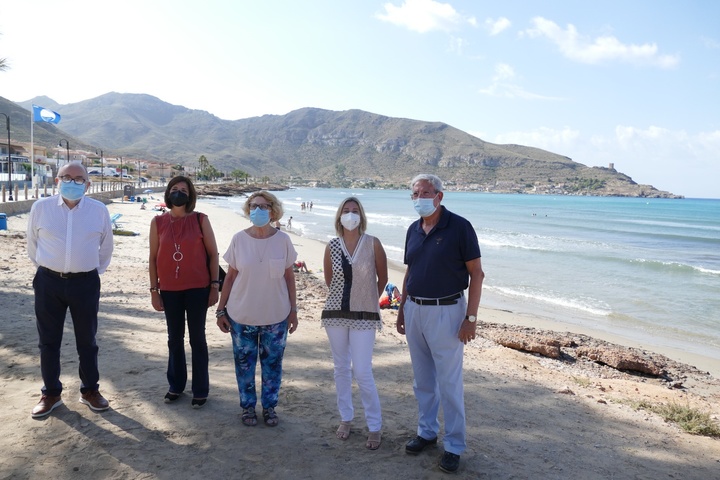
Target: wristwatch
[{"x": 471, "y": 318}]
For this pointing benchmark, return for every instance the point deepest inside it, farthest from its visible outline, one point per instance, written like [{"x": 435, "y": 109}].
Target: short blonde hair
[
  {"x": 363, "y": 219},
  {"x": 276, "y": 212}
]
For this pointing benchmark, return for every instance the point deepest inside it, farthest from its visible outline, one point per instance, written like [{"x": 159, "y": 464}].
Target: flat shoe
[
  {"x": 449, "y": 462},
  {"x": 418, "y": 444},
  {"x": 47, "y": 404},
  {"x": 198, "y": 402},
  {"x": 171, "y": 397}
]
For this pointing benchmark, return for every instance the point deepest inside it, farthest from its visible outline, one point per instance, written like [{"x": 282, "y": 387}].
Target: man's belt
[
  {"x": 66, "y": 275},
  {"x": 451, "y": 300}
]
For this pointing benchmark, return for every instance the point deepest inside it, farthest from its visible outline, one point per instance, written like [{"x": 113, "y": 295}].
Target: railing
[{"x": 108, "y": 189}]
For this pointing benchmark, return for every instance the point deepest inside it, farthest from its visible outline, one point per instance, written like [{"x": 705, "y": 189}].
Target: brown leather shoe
[
  {"x": 47, "y": 404},
  {"x": 94, "y": 400}
]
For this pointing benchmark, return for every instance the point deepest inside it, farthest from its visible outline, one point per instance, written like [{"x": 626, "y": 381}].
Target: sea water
[{"x": 645, "y": 269}]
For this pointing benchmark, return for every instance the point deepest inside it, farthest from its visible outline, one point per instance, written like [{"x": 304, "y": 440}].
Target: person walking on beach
[
  {"x": 184, "y": 282},
  {"x": 355, "y": 268},
  {"x": 70, "y": 240},
  {"x": 442, "y": 255},
  {"x": 258, "y": 304}
]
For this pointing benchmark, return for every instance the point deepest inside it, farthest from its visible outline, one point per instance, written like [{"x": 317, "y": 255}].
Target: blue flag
[{"x": 41, "y": 114}]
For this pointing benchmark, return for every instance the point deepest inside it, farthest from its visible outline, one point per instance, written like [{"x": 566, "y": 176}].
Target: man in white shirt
[{"x": 70, "y": 240}]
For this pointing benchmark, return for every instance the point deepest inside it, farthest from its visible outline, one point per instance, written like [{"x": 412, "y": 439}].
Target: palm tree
[{"x": 3, "y": 64}]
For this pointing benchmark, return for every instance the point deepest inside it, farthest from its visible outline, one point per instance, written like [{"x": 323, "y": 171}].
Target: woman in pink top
[
  {"x": 258, "y": 305},
  {"x": 184, "y": 281}
]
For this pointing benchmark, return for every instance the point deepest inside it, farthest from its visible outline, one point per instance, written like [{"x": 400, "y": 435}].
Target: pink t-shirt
[{"x": 259, "y": 294}]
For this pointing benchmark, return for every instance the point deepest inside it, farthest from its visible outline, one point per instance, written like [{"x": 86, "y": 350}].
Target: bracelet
[
  {"x": 220, "y": 313},
  {"x": 214, "y": 281},
  {"x": 154, "y": 289},
  {"x": 294, "y": 309}
]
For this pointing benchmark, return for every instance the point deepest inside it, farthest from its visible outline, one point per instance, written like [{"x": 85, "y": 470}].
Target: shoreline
[{"x": 311, "y": 251}]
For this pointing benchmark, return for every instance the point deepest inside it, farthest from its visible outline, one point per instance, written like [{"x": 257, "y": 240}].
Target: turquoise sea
[{"x": 644, "y": 269}]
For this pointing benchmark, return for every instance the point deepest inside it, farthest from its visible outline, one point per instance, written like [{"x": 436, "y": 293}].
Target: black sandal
[
  {"x": 270, "y": 417},
  {"x": 249, "y": 418}
]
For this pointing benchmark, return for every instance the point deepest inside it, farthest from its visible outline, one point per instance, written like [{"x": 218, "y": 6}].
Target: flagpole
[{"x": 32, "y": 152}]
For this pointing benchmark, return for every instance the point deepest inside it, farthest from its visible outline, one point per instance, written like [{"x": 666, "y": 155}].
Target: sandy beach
[{"x": 528, "y": 416}]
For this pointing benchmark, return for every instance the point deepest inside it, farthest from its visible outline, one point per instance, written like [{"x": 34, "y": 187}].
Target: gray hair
[{"x": 427, "y": 177}]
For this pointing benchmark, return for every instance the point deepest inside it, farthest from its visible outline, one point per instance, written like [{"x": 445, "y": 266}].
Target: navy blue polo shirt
[{"x": 436, "y": 261}]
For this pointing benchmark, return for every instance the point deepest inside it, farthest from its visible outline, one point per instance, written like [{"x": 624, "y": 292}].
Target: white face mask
[{"x": 350, "y": 220}]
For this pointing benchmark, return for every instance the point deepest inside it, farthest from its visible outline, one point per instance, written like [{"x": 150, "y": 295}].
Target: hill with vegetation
[{"x": 324, "y": 147}]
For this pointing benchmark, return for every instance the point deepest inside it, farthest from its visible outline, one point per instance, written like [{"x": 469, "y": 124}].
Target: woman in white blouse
[
  {"x": 355, "y": 268},
  {"x": 258, "y": 304}
]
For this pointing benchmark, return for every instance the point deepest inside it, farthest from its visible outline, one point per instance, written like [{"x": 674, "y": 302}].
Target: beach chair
[{"x": 114, "y": 218}]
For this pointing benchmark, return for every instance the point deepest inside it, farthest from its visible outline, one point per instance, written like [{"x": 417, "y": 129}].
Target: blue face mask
[
  {"x": 71, "y": 191},
  {"x": 424, "y": 206},
  {"x": 259, "y": 217}
]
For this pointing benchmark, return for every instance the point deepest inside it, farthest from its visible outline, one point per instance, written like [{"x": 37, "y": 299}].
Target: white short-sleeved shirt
[{"x": 259, "y": 294}]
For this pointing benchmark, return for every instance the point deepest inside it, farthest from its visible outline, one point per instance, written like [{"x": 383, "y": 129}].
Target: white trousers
[
  {"x": 436, "y": 354},
  {"x": 352, "y": 355}
]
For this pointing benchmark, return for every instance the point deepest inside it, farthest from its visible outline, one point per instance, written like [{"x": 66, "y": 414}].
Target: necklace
[
  {"x": 265, "y": 242},
  {"x": 177, "y": 254},
  {"x": 263, "y": 238}
]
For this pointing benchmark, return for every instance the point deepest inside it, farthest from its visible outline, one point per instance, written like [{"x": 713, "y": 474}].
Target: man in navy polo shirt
[{"x": 443, "y": 260}]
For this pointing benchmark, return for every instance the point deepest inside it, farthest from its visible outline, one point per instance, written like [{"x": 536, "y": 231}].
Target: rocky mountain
[{"x": 331, "y": 147}]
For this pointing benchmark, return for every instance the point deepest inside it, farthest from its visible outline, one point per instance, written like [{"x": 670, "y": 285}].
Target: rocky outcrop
[
  {"x": 544, "y": 345},
  {"x": 576, "y": 348},
  {"x": 235, "y": 189},
  {"x": 621, "y": 358}
]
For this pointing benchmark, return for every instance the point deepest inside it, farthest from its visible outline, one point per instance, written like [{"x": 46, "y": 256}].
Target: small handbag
[{"x": 221, "y": 272}]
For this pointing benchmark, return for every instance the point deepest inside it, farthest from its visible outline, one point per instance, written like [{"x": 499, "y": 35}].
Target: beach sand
[{"x": 527, "y": 416}]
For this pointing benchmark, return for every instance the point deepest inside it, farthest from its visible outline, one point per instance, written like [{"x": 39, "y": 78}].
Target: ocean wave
[
  {"x": 586, "y": 306},
  {"x": 676, "y": 266}
]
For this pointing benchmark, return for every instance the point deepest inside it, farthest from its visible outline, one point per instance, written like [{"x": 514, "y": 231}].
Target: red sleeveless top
[{"x": 181, "y": 257}]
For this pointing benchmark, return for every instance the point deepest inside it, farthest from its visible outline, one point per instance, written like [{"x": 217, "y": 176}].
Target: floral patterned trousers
[{"x": 268, "y": 343}]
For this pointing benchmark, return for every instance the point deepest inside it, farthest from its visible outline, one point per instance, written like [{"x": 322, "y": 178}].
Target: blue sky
[{"x": 636, "y": 83}]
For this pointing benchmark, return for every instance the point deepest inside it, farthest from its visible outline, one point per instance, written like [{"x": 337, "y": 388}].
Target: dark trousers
[
  {"x": 194, "y": 302},
  {"x": 53, "y": 297}
]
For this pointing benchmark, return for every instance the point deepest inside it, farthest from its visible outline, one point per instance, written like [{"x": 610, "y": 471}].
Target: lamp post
[
  {"x": 67, "y": 149},
  {"x": 7, "y": 122},
  {"x": 102, "y": 171},
  {"x": 122, "y": 192}
]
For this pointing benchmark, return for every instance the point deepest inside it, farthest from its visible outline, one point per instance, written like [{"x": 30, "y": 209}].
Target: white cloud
[
  {"x": 557, "y": 141},
  {"x": 710, "y": 43},
  {"x": 584, "y": 49},
  {"x": 504, "y": 84},
  {"x": 497, "y": 26},
  {"x": 424, "y": 16},
  {"x": 457, "y": 45}
]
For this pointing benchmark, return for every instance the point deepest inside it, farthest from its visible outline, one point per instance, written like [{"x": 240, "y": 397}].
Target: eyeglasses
[
  {"x": 416, "y": 195},
  {"x": 261, "y": 206},
  {"x": 76, "y": 180}
]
